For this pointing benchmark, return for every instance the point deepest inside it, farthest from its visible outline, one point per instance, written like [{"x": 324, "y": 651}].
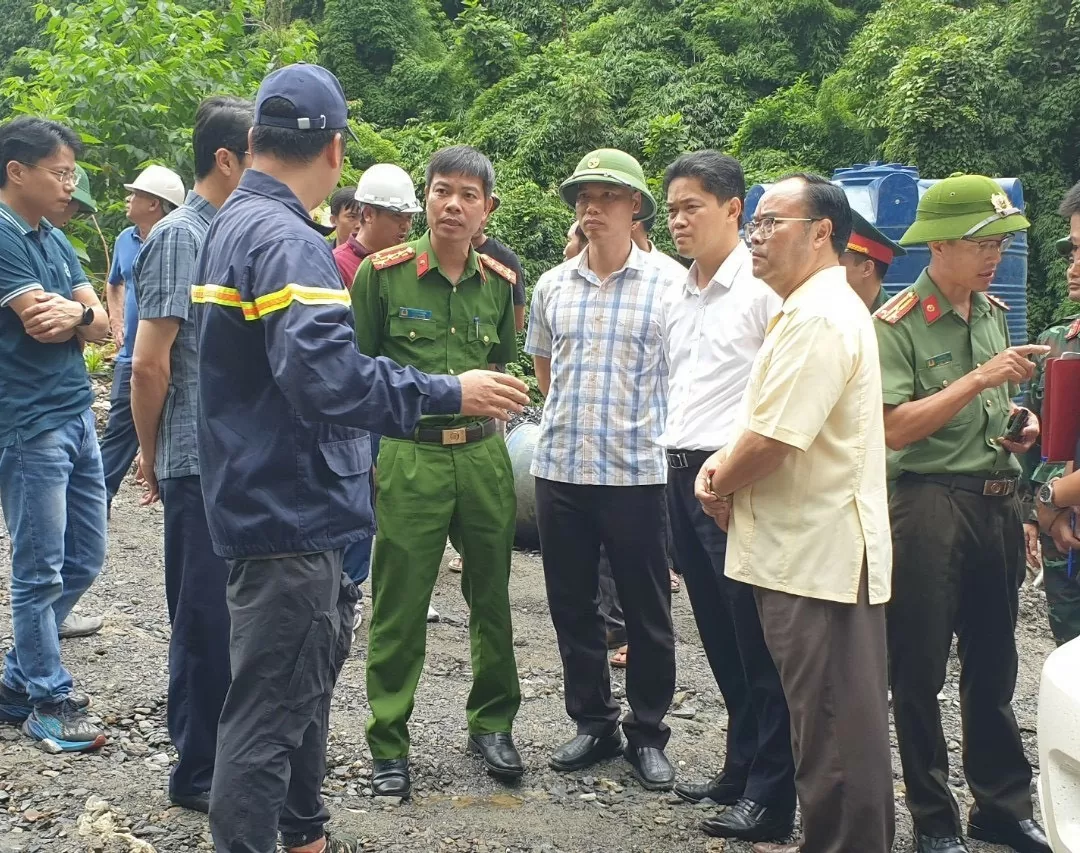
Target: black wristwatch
[
  {"x": 1045, "y": 495},
  {"x": 87, "y": 316}
]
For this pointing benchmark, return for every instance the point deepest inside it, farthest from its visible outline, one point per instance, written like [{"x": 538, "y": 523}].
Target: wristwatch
[
  {"x": 1045, "y": 495},
  {"x": 87, "y": 316}
]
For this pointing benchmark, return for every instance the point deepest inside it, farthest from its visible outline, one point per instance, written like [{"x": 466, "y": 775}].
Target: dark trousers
[
  {"x": 759, "y": 729},
  {"x": 573, "y": 522},
  {"x": 958, "y": 562},
  {"x": 610, "y": 609},
  {"x": 832, "y": 663},
  {"x": 291, "y": 633},
  {"x": 119, "y": 443},
  {"x": 199, "y": 646}
]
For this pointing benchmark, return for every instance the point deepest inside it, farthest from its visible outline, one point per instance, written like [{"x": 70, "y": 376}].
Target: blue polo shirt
[
  {"x": 42, "y": 386},
  {"x": 125, "y": 251}
]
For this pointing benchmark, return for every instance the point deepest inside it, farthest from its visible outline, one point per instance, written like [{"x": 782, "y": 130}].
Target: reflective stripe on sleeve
[{"x": 229, "y": 297}]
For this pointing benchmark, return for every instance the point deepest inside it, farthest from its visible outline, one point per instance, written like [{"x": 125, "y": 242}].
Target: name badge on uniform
[
  {"x": 413, "y": 313},
  {"x": 934, "y": 361}
]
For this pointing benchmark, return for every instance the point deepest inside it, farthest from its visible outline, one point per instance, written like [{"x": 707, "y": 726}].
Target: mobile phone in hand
[{"x": 1014, "y": 429}]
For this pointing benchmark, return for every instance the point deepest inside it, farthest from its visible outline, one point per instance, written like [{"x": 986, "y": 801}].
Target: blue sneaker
[
  {"x": 15, "y": 705},
  {"x": 63, "y": 727}
]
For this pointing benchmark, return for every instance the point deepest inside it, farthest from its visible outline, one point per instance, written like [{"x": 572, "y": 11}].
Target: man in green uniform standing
[
  {"x": 948, "y": 373},
  {"x": 1062, "y": 592},
  {"x": 436, "y": 303},
  {"x": 866, "y": 261}
]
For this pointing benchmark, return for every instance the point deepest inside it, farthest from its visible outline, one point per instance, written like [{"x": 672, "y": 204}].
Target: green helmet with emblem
[
  {"x": 82, "y": 191},
  {"x": 610, "y": 166},
  {"x": 964, "y": 206},
  {"x": 1065, "y": 247}
]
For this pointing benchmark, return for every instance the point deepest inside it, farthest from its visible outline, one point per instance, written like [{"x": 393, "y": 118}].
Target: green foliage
[
  {"x": 94, "y": 357},
  {"x": 129, "y": 76}
]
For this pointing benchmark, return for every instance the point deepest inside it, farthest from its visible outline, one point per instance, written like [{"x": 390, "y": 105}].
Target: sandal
[
  {"x": 618, "y": 660},
  {"x": 455, "y": 564},
  {"x": 676, "y": 584}
]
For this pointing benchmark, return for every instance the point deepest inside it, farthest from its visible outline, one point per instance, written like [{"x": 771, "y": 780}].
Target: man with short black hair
[
  {"x": 439, "y": 305},
  {"x": 163, "y": 401},
  {"x": 52, "y": 489},
  {"x": 715, "y": 321},
  {"x": 344, "y": 215},
  {"x": 283, "y": 394},
  {"x": 809, "y": 443}
]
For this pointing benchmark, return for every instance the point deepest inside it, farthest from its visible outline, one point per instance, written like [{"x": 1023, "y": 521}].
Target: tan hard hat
[{"x": 161, "y": 183}]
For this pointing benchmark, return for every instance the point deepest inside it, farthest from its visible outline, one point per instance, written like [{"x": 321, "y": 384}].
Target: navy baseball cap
[{"x": 316, "y": 96}]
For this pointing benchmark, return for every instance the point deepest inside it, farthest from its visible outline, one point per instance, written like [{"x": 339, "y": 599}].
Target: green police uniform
[
  {"x": 452, "y": 478},
  {"x": 958, "y": 547},
  {"x": 1062, "y": 592}
]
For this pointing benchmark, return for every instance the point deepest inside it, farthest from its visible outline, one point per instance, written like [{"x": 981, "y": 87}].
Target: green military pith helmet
[
  {"x": 964, "y": 206},
  {"x": 1065, "y": 247},
  {"x": 610, "y": 166},
  {"x": 82, "y": 191}
]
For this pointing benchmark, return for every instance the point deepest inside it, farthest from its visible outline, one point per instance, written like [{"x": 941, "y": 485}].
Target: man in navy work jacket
[{"x": 285, "y": 398}]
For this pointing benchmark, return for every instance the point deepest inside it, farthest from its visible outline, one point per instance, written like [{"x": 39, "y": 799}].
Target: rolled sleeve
[
  {"x": 809, "y": 367},
  {"x": 897, "y": 364},
  {"x": 163, "y": 274},
  {"x": 538, "y": 336}
]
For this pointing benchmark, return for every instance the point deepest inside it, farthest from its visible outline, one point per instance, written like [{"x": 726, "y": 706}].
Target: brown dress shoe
[{"x": 769, "y": 847}]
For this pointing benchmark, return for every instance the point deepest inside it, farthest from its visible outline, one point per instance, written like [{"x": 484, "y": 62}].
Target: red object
[
  {"x": 866, "y": 246},
  {"x": 1061, "y": 410},
  {"x": 931, "y": 310},
  {"x": 348, "y": 256}
]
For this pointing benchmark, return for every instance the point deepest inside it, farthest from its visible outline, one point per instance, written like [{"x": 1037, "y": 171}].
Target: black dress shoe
[
  {"x": 719, "y": 790},
  {"x": 750, "y": 821},
  {"x": 1024, "y": 836},
  {"x": 500, "y": 755},
  {"x": 390, "y": 777},
  {"x": 939, "y": 844},
  {"x": 585, "y": 750},
  {"x": 651, "y": 767},
  {"x": 199, "y": 802}
]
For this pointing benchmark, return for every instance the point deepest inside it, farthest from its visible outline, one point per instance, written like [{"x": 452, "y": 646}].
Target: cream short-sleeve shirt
[{"x": 807, "y": 527}]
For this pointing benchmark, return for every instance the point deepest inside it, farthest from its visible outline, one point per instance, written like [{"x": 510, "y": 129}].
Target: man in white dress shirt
[{"x": 714, "y": 324}]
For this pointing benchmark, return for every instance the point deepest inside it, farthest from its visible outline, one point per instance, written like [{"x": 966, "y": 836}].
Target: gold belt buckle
[
  {"x": 996, "y": 488},
  {"x": 453, "y": 436}
]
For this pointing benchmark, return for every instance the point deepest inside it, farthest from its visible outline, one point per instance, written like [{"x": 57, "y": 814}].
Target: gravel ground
[{"x": 115, "y": 800}]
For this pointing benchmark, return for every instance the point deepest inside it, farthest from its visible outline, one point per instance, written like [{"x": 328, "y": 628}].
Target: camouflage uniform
[{"x": 1062, "y": 592}]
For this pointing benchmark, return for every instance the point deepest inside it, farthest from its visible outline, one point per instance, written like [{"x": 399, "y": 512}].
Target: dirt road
[{"x": 455, "y": 806}]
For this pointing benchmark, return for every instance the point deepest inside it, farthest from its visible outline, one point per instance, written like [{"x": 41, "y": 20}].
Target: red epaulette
[
  {"x": 392, "y": 257},
  {"x": 1074, "y": 330},
  {"x": 998, "y": 302},
  {"x": 898, "y": 307},
  {"x": 497, "y": 268}
]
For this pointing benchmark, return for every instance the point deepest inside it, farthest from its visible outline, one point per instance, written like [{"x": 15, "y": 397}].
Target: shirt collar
[
  {"x": 260, "y": 183},
  {"x": 8, "y": 214},
  {"x": 634, "y": 261},
  {"x": 202, "y": 208},
  {"x": 726, "y": 274},
  {"x": 427, "y": 261},
  {"x": 926, "y": 289},
  {"x": 357, "y": 247},
  {"x": 805, "y": 291}
]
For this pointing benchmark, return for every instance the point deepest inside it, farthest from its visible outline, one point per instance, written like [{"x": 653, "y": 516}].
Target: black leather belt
[
  {"x": 680, "y": 459},
  {"x": 1000, "y": 488},
  {"x": 458, "y": 435}
]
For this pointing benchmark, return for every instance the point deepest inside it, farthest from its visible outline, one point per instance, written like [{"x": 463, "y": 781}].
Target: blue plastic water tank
[{"x": 888, "y": 194}]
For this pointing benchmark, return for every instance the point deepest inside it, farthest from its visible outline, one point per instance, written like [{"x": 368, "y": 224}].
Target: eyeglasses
[
  {"x": 765, "y": 226},
  {"x": 64, "y": 176},
  {"x": 991, "y": 247}
]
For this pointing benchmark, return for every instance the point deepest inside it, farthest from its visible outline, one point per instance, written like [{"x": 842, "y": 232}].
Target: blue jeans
[
  {"x": 119, "y": 443},
  {"x": 52, "y": 491}
]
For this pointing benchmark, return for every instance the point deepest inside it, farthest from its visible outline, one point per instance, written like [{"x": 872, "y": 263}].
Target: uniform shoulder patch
[
  {"x": 498, "y": 268},
  {"x": 893, "y": 311},
  {"x": 392, "y": 257},
  {"x": 1000, "y": 303},
  {"x": 1074, "y": 329}
]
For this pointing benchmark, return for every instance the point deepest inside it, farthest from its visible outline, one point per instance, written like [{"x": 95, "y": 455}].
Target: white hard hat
[
  {"x": 160, "y": 182},
  {"x": 388, "y": 186}
]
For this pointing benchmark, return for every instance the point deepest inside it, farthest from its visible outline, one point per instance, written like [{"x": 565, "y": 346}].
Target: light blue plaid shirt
[{"x": 606, "y": 406}]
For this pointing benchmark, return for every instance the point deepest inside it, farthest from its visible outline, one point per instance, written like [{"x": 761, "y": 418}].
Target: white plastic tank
[{"x": 1059, "y": 747}]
